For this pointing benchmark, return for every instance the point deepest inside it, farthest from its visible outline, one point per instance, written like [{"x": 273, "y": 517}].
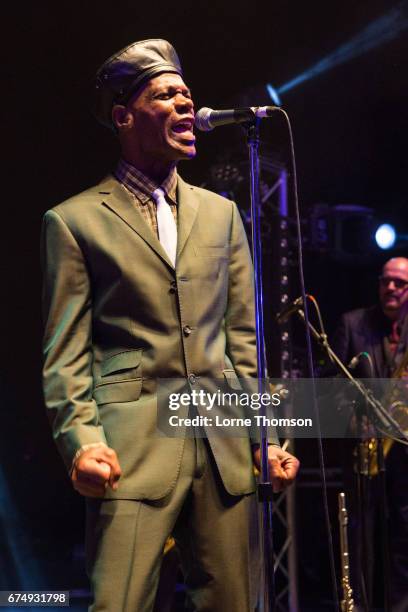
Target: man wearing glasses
[
  {"x": 381, "y": 333},
  {"x": 394, "y": 289}
]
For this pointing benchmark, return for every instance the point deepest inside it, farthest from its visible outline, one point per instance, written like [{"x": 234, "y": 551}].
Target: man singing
[{"x": 147, "y": 277}]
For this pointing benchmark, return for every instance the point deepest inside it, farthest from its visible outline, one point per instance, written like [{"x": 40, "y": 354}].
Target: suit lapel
[
  {"x": 121, "y": 202},
  {"x": 188, "y": 203}
]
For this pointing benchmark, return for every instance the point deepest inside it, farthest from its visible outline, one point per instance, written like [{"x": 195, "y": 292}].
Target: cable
[
  {"x": 323, "y": 334},
  {"x": 310, "y": 366},
  {"x": 370, "y": 362}
]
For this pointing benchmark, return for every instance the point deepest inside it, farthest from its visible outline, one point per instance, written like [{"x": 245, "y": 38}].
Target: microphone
[
  {"x": 207, "y": 119},
  {"x": 356, "y": 360},
  {"x": 288, "y": 311}
]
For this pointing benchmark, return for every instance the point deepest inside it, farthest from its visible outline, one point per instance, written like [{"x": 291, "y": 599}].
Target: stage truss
[{"x": 229, "y": 179}]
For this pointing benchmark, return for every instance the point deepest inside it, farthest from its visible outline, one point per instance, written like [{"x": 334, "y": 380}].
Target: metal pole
[
  {"x": 265, "y": 491},
  {"x": 290, "y": 494}
]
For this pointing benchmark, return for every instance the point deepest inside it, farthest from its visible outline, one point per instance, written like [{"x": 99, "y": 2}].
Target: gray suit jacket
[{"x": 118, "y": 316}]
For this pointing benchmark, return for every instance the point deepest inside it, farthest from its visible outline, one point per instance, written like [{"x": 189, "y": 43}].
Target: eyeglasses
[{"x": 399, "y": 283}]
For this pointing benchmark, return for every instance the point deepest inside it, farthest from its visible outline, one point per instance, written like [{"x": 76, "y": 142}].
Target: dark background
[{"x": 350, "y": 129}]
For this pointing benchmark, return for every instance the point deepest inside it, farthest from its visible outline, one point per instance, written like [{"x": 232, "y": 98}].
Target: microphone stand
[
  {"x": 364, "y": 498},
  {"x": 362, "y": 467},
  {"x": 383, "y": 522},
  {"x": 382, "y": 420},
  {"x": 264, "y": 488}
]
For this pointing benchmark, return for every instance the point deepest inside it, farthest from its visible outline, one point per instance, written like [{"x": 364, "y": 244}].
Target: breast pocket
[
  {"x": 120, "y": 378},
  {"x": 211, "y": 262},
  {"x": 220, "y": 252}
]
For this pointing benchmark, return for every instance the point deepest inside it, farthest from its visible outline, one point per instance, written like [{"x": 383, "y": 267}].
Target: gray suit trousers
[{"x": 215, "y": 533}]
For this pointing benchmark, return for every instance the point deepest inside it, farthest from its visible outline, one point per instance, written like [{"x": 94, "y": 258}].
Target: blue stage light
[
  {"x": 273, "y": 94},
  {"x": 378, "y": 32},
  {"x": 385, "y": 236}
]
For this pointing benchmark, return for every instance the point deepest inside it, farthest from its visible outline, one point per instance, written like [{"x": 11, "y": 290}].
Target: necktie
[{"x": 166, "y": 225}]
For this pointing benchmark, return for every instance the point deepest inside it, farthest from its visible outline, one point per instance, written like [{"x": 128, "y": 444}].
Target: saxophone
[
  {"x": 347, "y": 603},
  {"x": 399, "y": 411}
]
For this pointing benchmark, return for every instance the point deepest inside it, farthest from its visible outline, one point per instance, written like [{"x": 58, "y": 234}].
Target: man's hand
[
  {"x": 94, "y": 470},
  {"x": 283, "y": 466}
]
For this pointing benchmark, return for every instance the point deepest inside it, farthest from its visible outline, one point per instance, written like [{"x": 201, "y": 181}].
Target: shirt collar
[{"x": 141, "y": 185}]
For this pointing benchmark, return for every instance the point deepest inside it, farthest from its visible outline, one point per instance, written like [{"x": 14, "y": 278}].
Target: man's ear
[{"x": 122, "y": 118}]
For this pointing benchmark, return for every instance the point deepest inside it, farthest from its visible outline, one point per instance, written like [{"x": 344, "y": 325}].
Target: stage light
[
  {"x": 385, "y": 236},
  {"x": 273, "y": 94},
  {"x": 378, "y": 32},
  {"x": 343, "y": 231}
]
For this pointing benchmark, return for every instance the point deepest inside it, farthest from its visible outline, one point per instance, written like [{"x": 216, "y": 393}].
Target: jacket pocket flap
[
  {"x": 232, "y": 379},
  {"x": 121, "y": 361},
  {"x": 124, "y": 391}
]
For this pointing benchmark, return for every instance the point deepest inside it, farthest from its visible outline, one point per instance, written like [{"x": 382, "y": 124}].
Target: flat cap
[{"x": 126, "y": 71}]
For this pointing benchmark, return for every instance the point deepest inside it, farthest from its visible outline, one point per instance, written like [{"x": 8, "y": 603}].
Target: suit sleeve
[
  {"x": 67, "y": 313},
  {"x": 240, "y": 316}
]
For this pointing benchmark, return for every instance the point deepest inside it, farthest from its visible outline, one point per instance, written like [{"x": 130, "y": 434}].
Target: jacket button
[
  {"x": 173, "y": 287},
  {"x": 187, "y": 330},
  {"x": 192, "y": 378}
]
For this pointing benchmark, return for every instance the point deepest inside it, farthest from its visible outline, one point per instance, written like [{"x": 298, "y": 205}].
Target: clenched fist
[
  {"x": 94, "y": 470},
  {"x": 283, "y": 466}
]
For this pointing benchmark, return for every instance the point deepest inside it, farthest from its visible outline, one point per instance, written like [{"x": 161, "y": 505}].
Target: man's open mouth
[{"x": 184, "y": 127}]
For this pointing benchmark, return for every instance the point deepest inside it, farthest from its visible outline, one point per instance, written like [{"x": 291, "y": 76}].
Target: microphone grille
[{"x": 202, "y": 119}]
